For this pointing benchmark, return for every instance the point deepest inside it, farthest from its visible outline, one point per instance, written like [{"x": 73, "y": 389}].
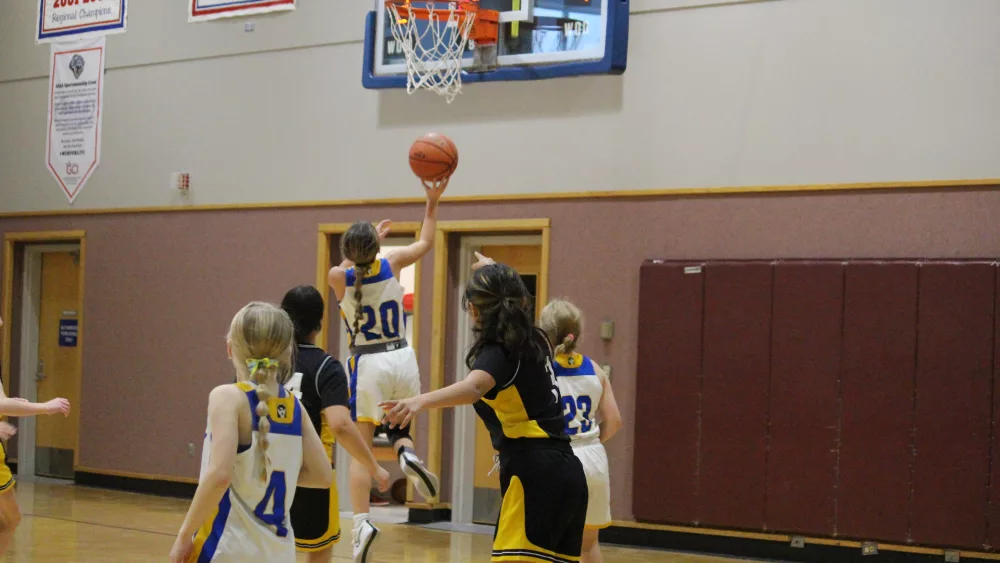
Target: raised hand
[
  {"x": 481, "y": 261},
  {"x": 435, "y": 188},
  {"x": 383, "y": 229}
]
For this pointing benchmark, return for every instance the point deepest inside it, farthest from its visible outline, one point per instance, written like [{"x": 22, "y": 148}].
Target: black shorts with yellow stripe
[
  {"x": 315, "y": 518},
  {"x": 544, "y": 506}
]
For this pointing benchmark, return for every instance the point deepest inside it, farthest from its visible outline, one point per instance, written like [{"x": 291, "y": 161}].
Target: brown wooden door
[{"x": 59, "y": 369}]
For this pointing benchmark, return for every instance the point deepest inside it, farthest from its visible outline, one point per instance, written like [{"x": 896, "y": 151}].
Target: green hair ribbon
[{"x": 256, "y": 364}]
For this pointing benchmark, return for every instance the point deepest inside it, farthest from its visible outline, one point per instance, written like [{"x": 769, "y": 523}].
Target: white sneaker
[
  {"x": 423, "y": 480},
  {"x": 364, "y": 538}
]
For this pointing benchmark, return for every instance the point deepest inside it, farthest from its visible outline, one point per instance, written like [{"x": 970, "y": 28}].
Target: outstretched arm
[
  {"x": 338, "y": 418},
  {"x": 465, "y": 392},
  {"x": 402, "y": 257},
  {"x": 14, "y": 406}
]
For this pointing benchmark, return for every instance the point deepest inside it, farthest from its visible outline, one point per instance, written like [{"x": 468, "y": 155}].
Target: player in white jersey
[
  {"x": 592, "y": 415},
  {"x": 259, "y": 446},
  {"x": 382, "y": 365}
]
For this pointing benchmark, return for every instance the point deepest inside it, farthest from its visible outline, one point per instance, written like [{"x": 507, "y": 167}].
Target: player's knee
[
  {"x": 322, "y": 556},
  {"x": 11, "y": 519}
]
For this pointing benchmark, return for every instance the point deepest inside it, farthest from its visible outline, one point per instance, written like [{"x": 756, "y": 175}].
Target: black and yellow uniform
[
  {"x": 319, "y": 382},
  {"x": 6, "y": 477},
  {"x": 543, "y": 485}
]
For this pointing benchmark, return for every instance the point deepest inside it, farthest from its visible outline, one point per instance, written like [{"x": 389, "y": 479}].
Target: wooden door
[{"x": 58, "y": 373}]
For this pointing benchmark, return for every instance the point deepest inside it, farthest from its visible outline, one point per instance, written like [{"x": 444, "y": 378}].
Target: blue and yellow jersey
[
  {"x": 581, "y": 385},
  {"x": 251, "y": 522},
  {"x": 381, "y": 306}
]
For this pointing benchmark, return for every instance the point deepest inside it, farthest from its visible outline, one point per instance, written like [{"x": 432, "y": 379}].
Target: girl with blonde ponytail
[
  {"x": 591, "y": 414},
  {"x": 258, "y": 448},
  {"x": 382, "y": 365}
]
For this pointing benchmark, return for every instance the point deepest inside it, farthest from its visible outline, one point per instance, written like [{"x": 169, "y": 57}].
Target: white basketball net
[{"x": 433, "y": 47}]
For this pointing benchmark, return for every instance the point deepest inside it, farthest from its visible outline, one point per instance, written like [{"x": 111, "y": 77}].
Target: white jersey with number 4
[
  {"x": 382, "y": 306},
  {"x": 581, "y": 385},
  {"x": 251, "y": 522}
]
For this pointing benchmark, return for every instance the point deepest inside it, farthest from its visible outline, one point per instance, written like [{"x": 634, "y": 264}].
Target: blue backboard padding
[{"x": 613, "y": 62}]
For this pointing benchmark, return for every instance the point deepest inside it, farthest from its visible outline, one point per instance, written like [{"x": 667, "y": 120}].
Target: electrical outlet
[
  {"x": 798, "y": 541},
  {"x": 952, "y": 556},
  {"x": 869, "y": 548},
  {"x": 606, "y": 368},
  {"x": 191, "y": 449},
  {"x": 248, "y": 27}
]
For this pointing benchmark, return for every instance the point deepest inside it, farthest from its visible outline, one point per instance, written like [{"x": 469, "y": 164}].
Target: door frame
[
  {"x": 78, "y": 240},
  {"x": 326, "y": 232},
  {"x": 463, "y": 461},
  {"x": 440, "y": 293},
  {"x": 31, "y": 295}
]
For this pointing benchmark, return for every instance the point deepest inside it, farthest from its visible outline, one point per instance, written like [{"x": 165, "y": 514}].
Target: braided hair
[
  {"x": 360, "y": 244},
  {"x": 261, "y": 338}
]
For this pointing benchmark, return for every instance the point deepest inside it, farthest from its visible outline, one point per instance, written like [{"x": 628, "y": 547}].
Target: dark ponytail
[
  {"x": 360, "y": 244},
  {"x": 504, "y": 308}
]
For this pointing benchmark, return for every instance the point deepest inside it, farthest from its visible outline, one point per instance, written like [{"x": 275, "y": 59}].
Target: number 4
[{"x": 275, "y": 492}]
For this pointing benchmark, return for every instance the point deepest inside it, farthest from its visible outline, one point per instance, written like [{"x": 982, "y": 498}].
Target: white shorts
[
  {"x": 595, "y": 466},
  {"x": 381, "y": 377}
]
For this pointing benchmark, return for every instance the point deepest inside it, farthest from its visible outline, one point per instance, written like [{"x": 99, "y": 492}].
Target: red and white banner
[
  {"x": 66, "y": 20},
  {"x": 204, "y": 10},
  {"x": 76, "y": 98}
]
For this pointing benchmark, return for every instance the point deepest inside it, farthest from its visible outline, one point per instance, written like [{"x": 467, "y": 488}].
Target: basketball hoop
[{"x": 434, "y": 47}]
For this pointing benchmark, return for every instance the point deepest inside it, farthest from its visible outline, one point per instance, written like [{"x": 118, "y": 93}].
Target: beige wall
[
  {"x": 781, "y": 92},
  {"x": 161, "y": 288}
]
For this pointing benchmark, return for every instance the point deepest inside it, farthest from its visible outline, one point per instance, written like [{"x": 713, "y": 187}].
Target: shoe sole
[
  {"x": 368, "y": 546},
  {"x": 426, "y": 483}
]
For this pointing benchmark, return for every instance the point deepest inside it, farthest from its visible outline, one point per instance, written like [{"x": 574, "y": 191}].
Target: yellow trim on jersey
[
  {"x": 275, "y": 404},
  {"x": 332, "y": 535},
  {"x": 374, "y": 269},
  {"x": 244, "y": 386},
  {"x": 204, "y": 532},
  {"x": 569, "y": 361},
  {"x": 513, "y": 417},
  {"x": 369, "y": 420},
  {"x": 511, "y": 535}
]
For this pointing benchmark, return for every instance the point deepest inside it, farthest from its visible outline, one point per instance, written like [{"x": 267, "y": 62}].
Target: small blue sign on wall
[{"x": 67, "y": 333}]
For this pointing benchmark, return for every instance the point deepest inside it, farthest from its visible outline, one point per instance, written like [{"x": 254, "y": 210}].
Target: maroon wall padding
[
  {"x": 880, "y": 306},
  {"x": 665, "y": 481},
  {"x": 952, "y": 414},
  {"x": 805, "y": 365},
  {"x": 994, "y": 494},
  {"x": 734, "y": 394}
]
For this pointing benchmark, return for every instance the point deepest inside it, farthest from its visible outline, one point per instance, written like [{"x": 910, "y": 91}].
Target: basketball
[{"x": 433, "y": 157}]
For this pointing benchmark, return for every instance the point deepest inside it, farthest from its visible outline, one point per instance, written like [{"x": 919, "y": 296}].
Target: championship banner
[
  {"x": 76, "y": 98},
  {"x": 204, "y": 10},
  {"x": 67, "y": 20}
]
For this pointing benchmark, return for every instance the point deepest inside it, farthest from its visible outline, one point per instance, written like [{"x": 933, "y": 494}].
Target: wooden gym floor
[{"x": 67, "y": 523}]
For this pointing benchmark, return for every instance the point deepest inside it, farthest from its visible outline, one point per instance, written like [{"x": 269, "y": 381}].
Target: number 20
[{"x": 388, "y": 314}]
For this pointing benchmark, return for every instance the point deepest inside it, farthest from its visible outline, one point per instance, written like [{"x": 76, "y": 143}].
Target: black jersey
[
  {"x": 319, "y": 382},
  {"x": 525, "y": 403}
]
